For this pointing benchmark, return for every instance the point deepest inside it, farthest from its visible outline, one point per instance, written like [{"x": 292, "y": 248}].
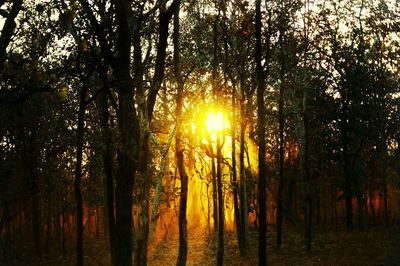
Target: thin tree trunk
[
  {"x": 221, "y": 219},
  {"x": 48, "y": 216},
  {"x": 348, "y": 191},
  {"x": 384, "y": 177},
  {"x": 306, "y": 172},
  {"x": 302, "y": 134},
  {"x": 385, "y": 199},
  {"x": 220, "y": 199},
  {"x": 62, "y": 218},
  {"x": 234, "y": 175},
  {"x": 262, "y": 246},
  {"x": 243, "y": 180},
  {"x": 36, "y": 213},
  {"x": 102, "y": 106},
  {"x": 308, "y": 223},
  {"x": 143, "y": 232},
  {"x": 179, "y": 147},
  {"x": 360, "y": 212},
  {"x": 214, "y": 189},
  {"x": 78, "y": 175},
  {"x": 3, "y": 219},
  {"x": 371, "y": 205},
  {"x": 30, "y": 159},
  {"x": 281, "y": 144}
]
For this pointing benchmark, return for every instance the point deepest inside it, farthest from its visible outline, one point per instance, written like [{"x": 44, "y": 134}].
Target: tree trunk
[
  {"x": 308, "y": 223},
  {"x": 385, "y": 199},
  {"x": 360, "y": 212},
  {"x": 127, "y": 159},
  {"x": 262, "y": 246},
  {"x": 214, "y": 189},
  {"x": 234, "y": 182},
  {"x": 31, "y": 162},
  {"x": 281, "y": 144},
  {"x": 221, "y": 219},
  {"x": 8, "y": 30},
  {"x": 129, "y": 128},
  {"x": 36, "y": 213},
  {"x": 371, "y": 205},
  {"x": 78, "y": 175},
  {"x": 179, "y": 147},
  {"x": 102, "y": 106},
  {"x": 348, "y": 190},
  {"x": 243, "y": 180},
  {"x": 182, "y": 255},
  {"x": 303, "y": 138}
]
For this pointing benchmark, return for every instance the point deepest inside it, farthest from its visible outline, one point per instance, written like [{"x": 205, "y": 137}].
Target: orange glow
[
  {"x": 201, "y": 129},
  {"x": 200, "y": 203}
]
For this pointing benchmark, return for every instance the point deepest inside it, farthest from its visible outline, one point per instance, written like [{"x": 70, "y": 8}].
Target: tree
[
  {"x": 262, "y": 249},
  {"x": 179, "y": 148},
  {"x": 8, "y": 29},
  {"x": 133, "y": 155}
]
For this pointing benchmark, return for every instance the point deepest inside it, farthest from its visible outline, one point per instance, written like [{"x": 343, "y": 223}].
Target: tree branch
[
  {"x": 8, "y": 29},
  {"x": 165, "y": 19},
  {"x": 99, "y": 32}
]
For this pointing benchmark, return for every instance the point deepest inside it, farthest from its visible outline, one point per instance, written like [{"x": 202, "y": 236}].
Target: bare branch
[{"x": 99, "y": 32}]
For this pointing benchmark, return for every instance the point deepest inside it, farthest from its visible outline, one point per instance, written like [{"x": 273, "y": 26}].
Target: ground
[{"x": 373, "y": 247}]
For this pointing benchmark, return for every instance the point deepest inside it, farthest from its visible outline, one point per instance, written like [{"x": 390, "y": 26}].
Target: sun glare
[{"x": 215, "y": 122}]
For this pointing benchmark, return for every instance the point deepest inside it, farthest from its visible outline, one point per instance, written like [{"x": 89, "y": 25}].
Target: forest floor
[{"x": 373, "y": 247}]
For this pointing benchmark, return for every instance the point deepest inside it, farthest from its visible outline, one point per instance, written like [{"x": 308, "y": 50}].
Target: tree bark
[
  {"x": 281, "y": 143},
  {"x": 31, "y": 162},
  {"x": 179, "y": 147},
  {"x": 243, "y": 179},
  {"x": 348, "y": 189},
  {"x": 214, "y": 188},
  {"x": 128, "y": 152},
  {"x": 8, "y": 30},
  {"x": 102, "y": 106},
  {"x": 221, "y": 219},
  {"x": 385, "y": 201},
  {"x": 78, "y": 174},
  {"x": 262, "y": 246},
  {"x": 234, "y": 182}
]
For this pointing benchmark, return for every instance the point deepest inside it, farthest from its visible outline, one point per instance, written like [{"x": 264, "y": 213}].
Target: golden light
[{"x": 215, "y": 122}]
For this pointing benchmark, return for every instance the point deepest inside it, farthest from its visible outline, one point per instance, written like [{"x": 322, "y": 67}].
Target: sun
[{"x": 216, "y": 122}]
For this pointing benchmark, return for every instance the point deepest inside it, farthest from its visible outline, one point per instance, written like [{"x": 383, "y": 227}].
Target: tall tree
[
  {"x": 262, "y": 246},
  {"x": 279, "y": 217},
  {"x": 179, "y": 148},
  {"x": 217, "y": 95},
  {"x": 133, "y": 119},
  {"x": 78, "y": 172}
]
